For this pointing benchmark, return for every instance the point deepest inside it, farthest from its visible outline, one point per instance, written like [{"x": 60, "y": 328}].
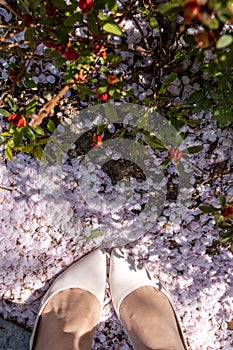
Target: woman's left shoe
[
  {"x": 126, "y": 275},
  {"x": 88, "y": 274}
]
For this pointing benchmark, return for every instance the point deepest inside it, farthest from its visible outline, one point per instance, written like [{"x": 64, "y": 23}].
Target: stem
[
  {"x": 10, "y": 35},
  {"x": 9, "y": 8},
  {"x": 9, "y": 27},
  {"x": 141, "y": 52},
  {"x": 49, "y": 106},
  {"x": 5, "y": 188}
]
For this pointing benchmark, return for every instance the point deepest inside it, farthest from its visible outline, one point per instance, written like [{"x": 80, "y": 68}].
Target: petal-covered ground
[{"x": 39, "y": 240}]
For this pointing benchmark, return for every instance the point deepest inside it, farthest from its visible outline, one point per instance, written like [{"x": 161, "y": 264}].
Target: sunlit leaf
[{"x": 224, "y": 41}]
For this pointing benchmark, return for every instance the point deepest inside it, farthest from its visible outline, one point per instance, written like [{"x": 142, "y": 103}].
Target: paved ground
[{"x": 13, "y": 337}]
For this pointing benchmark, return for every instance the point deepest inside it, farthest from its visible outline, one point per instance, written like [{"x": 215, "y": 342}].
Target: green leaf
[
  {"x": 154, "y": 23},
  {"x": 4, "y": 113},
  {"x": 11, "y": 104},
  {"x": 51, "y": 126},
  {"x": 29, "y": 133},
  {"x": 194, "y": 149},
  {"x": 165, "y": 163},
  {"x": 191, "y": 122},
  {"x": 102, "y": 17},
  {"x": 112, "y": 27},
  {"x": 102, "y": 89},
  {"x": 71, "y": 20},
  {"x": 26, "y": 149},
  {"x": 208, "y": 209},
  {"x": 100, "y": 129},
  {"x": 23, "y": 7},
  {"x": 168, "y": 82},
  {"x": 30, "y": 83},
  {"x": 42, "y": 142},
  {"x": 38, "y": 153},
  {"x": 31, "y": 107},
  {"x": 60, "y": 4},
  {"x": 223, "y": 114},
  {"x": 38, "y": 129},
  {"x": 112, "y": 6},
  {"x": 5, "y": 134},
  {"x": 17, "y": 136},
  {"x": 84, "y": 90},
  {"x": 91, "y": 22},
  {"x": 225, "y": 239},
  {"x": 224, "y": 15},
  {"x": 213, "y": 24},
  {"x": 224, "y": 41},
  {"x": 155, "y": 144},
  {"x": 111, "y": 112},
  {"x": 95, "y": 234},
  {"x": 62, "y": 34},
  {"x": 169, "y": 8},
  {"x": 34, "y": 3},
  {"x": 223, "y": 201},
  {"x": 28, "y": 35},
  {"x": 8, "y": 153},
  {"x": 113, "y": 59},
  {"x": 48, "y": 53}
]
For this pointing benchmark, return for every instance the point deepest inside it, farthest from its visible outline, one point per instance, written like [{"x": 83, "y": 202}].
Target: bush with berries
[{"x": 79, "y": 37}]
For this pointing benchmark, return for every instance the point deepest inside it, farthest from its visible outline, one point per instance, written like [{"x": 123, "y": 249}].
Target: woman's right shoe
[
  {"x": 126, "y": 275},
  {"x": 89, "y": 274}
]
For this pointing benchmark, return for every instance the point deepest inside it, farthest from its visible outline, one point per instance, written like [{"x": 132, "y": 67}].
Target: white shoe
[
  {"x": 127, "y": 275},
  {"x": 89, "y": 274}
]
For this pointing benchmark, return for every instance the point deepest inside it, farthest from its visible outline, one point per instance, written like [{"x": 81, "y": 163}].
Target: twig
[
  {"x": 5, "y": 188},
  {"x": 141, "y": 52},
  {"x": 10, "y": 35},
  {"x": 49, "y": 106},
  {"x": 9, "y": 8},
  {"x": 142, "y": 34},
  {"x": 9, "y": 27}
]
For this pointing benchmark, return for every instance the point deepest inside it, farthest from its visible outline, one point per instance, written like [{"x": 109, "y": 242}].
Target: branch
[
  {"x": 10, "y": 35},
  {"x": 138, "y": 51},
  {"x": 9, "y": 8},
  {"x": 48, "y": 108}
]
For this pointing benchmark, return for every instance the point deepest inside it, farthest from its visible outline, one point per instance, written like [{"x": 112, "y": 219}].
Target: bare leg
[
  {"x": 150, "y": 321},
  {"x": 68, "y": 321}
]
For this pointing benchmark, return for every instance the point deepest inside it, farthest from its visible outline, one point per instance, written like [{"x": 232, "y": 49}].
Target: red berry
[
  {"x": 28, "y": 19},
  {"x": 86, "y": 5},
  {"x": 227, "y": 212},
  {"x": 17, "y": 120},
  {"x": 96, "y": 48},
  {"x": 96, "y": 37},
  {"x": 49, "y": 42},
  {"x": 97, "y": 140},
  {"x": 99, "y": 50},
  {"x": 14, "y": 76},
  {"x": 191, "y": 10},
  {"x": 50, "y": 9},
  {"x": 68, "y": 52},
  {"x": 101, "y": 53},
  {"x": 104, "y": 97},
  {"x": 175, "y": 155}
]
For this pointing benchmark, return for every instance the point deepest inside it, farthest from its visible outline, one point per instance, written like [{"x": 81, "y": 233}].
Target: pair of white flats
[{"x": 89, "y": 274}]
